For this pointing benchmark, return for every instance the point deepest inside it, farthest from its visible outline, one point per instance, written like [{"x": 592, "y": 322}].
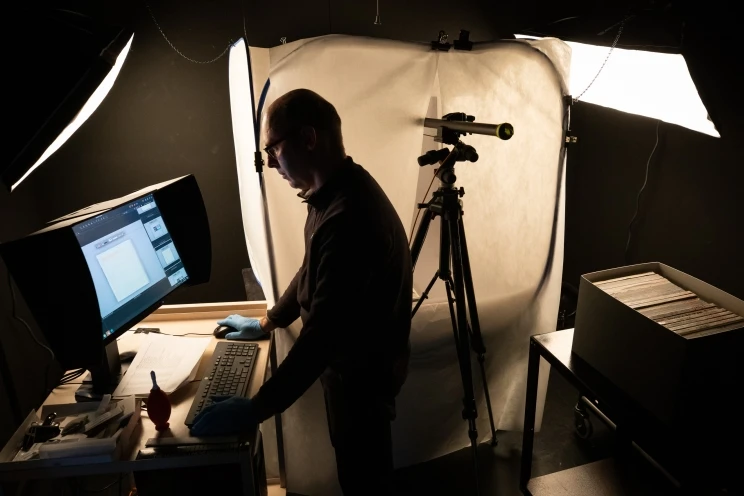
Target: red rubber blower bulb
[{"x": 158, "y": 406}]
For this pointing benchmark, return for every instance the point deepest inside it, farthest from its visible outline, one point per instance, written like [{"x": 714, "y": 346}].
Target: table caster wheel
[{"x": 582, "y": 423}]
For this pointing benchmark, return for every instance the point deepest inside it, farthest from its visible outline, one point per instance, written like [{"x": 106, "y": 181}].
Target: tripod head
[
  {"x": 464, "y": 152},
  {"x": 446, "y": 172}
]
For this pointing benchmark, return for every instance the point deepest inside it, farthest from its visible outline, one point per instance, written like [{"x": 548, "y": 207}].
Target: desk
[
  {"x": 631, "y": 422},
  {"x": 178, "y": 319}
]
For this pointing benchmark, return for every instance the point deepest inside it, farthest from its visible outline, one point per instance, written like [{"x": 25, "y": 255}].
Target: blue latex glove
[
  {"x": 246, "y": 328},
  {"x": 228, "y": 415}
]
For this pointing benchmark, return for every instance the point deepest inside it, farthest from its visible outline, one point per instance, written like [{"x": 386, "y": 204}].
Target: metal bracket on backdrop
[
  {"x": 441, "y": 42},
  {"x": 568, "y": 102},
  {"x": 462, "y": 43}
]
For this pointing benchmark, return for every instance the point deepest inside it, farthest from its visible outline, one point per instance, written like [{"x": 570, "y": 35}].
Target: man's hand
[
  {"x": 228, "y": 415},
  {"x": 246, "y": 328}
]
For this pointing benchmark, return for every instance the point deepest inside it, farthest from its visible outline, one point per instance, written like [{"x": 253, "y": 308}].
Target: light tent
[{"x": 513, "y": 203}]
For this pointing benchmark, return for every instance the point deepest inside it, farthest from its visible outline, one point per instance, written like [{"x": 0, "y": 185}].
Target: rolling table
[
  {"x": 179, "y": 319},
  {"x": 631, "y": 422}
]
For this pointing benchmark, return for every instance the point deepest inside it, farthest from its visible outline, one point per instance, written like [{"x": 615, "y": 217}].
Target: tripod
[{"x": 454, "y": 270}]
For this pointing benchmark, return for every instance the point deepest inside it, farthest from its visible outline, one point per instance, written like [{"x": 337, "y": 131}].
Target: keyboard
[{"x": 229, "y": 374}]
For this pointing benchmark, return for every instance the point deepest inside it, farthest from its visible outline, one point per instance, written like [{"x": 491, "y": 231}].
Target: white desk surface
[{"x": 182, "y": 319}]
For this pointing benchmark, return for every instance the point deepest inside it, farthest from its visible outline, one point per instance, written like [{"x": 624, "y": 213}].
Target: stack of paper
[
  {"x": 669, "y": 305},
  {"x": 173, "y": 358}
]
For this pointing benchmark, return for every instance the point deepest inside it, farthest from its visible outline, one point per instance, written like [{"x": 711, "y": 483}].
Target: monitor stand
[{"x": 103, "y": 379}]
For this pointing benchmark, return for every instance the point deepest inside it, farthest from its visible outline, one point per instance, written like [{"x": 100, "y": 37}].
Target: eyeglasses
[{"x": 271, "y": 149}]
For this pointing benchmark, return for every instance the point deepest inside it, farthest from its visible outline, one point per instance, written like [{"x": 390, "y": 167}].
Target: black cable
[
  {"x": 71, "y": 376},
  {"x": 612, "y": 48},
  {"x": 548, "y": 24},
  {"x": 19, "y": 319},
  {"x": 188, "y": 334},
  {"x": 413, "y": 230},
  {"x": 638, "y": 197},
  {"x": 117, "y": 481},
  {"x": 73, "y": 372},
  {"x": 33, "y": 336}
]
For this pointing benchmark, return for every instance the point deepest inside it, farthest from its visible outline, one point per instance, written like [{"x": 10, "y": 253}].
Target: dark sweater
[{"x": 353, "y": 293}]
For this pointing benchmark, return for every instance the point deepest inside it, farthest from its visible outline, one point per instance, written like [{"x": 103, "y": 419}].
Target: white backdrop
[{"x": 382, "y": 90}]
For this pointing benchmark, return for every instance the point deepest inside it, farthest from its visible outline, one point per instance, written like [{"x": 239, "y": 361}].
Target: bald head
[
  {"x": 298, "y": 108},
  {"x": 302, "y": 133}
]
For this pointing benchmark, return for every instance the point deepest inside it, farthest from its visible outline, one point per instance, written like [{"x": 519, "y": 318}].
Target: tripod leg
[
  {"x": 476, "y": 337},
  {"x": 466, "y": 372},
  {"x": 420, "y": 237},
  {"x": 424, "y": 295},
  {"x": 449, "y": 284},
  {"x": 482, "y": 364}
]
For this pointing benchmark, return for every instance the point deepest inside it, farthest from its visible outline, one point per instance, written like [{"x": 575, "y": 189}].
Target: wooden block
[
  {"x": 641, "y": 286},
  {"x": 679, "y": 296},
  {"x": 665, "y": 310},
  {"x": 700, "y": 320},
  {"x": 693, "y": 316},
  {"x": 648, "y": 293},
  {"x": 687, "y": 329},
  {"x": 628, "y": 281},
  {"x": 714, "y": 330},
  {"x": 625, "y": 278}
]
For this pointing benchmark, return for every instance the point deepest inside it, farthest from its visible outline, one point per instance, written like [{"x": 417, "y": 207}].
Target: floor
[{"x": 556, "y": 448}]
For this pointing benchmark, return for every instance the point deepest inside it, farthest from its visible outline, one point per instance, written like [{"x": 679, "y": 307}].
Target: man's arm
[
  {"x": 286, "y": 310},
  {"x": 344, "y": 270}
]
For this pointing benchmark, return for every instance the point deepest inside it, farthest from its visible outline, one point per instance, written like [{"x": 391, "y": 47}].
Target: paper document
[
  {"x": 123, "y": 269},
  {"x": 173, "y": 358}
]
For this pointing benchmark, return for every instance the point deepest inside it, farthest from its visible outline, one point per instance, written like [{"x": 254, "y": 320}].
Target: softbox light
[
  {"x": 72, "y": 112},
  {"x": 651, "y": 84},
  {"x": 250, "y": 183}
]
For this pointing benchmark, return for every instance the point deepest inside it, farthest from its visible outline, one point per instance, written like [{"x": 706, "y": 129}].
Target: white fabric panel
[
  {"x": 382, "y": 89},
  {"x": 509, "y": 208},
  {"x": 250, "y": 192},
  {"x": 251, "y": 204}
]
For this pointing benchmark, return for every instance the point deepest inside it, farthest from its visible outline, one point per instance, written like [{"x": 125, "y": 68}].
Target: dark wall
[
  {"x": 23, "y": 364},
  {"x": 691, "y": 214},
  {"x": 165, "y": 117}
]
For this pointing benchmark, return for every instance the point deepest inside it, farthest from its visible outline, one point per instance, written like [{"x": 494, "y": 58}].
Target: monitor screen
[{"x": 132, "y": 259}]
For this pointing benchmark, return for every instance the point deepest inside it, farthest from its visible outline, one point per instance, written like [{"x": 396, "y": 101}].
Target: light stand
[{"x": 454, "y": 270}]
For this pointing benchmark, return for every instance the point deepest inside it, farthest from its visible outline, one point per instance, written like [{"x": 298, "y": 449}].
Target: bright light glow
[
  {"x": 656, "y": 85},
  {"x": 90, "y": 106},
  {"x": 251, "y": 204}
]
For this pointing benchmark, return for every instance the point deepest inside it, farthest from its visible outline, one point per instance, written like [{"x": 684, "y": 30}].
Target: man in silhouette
[{"x": 353, "y": 294}]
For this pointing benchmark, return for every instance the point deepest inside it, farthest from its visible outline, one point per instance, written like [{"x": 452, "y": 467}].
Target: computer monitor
[
  {"x": 91, "y": 275},
  {"x": 133, "y": 261}
]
